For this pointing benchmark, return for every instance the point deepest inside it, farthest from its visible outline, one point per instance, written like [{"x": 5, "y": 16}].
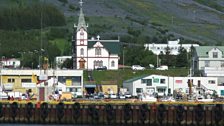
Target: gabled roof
[
  {"x": 202, "y": 50},
  {"x": 143, "y": 76},
  {"x": 135, "y": 78},
  {"x": 113, "y": 46}
]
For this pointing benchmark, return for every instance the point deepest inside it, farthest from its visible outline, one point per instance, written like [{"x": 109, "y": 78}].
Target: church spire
[{"x": 81, "y": 23}]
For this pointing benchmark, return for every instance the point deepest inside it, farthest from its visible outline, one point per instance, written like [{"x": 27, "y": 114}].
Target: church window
[
  {"x": 81, "y": 51},
  {"x": 81, "y": 38},
  {"x": 98, "y": 51},
  {"x": 101, "y": 63},
  {"x": 112, "y": 64},
  {"x": 98, "y": 63}
]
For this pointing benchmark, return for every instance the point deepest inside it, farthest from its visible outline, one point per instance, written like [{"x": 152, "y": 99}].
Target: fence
[{"x": 127, "y": 114}]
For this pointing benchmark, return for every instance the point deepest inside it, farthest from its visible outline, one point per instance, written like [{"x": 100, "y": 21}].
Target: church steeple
[{"x": 81, "y": 23}]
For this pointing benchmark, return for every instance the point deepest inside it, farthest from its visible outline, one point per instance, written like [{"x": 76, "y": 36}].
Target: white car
[
  {"x": 162, "y": 68},
  {"x": 113, "y": 96},
  {"x": 127, "y": 95},
  {"x": 122, "y": 96},
  {"x": 137, "y": 67}
]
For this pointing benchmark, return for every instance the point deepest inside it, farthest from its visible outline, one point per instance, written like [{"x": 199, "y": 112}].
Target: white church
[{"x": 93, "y": 53}]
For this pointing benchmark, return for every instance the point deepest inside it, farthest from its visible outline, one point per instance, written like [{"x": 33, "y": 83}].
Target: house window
[
  {"x": 222, "y": 63},
  {"x": 11, "y": 80},
  {"x": 112, "y": 64},
  {"x": 161, "y": 90},
  {"x": 211, "y": 81},
  {"x": 148, "y": 82},
  {"x": 138, "y": 90},
  {"x": 98, "y": 51},
  {"x": 144, "y": 81},
  {"x": 207, "y": 63},
  {"x": 81, "y": 51},
  {"x": 215, "y": 54},
  {"x": 162, "y": 81},
  {"x": 26, "y": 80}
]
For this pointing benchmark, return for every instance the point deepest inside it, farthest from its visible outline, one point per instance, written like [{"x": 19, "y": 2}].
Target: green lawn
[{"x": 122, "y": 75}]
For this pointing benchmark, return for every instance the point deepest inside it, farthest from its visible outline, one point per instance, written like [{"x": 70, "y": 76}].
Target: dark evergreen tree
[
  {"x": 167, "y": 58},
  {"x": 182, "y": 59}
]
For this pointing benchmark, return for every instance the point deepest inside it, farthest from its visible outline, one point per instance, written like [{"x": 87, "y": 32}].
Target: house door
[{"x": 82, "y": 64}]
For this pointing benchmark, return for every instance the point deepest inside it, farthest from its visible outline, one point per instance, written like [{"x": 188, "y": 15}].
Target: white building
[
  {"x": 164, "y": 84},
  {"x": 209, "y": 60},
  {"x": 61, "y": 59},
  {"x": 93, "y": 53},
  {"x": 173, "y": 45},
  {"x": 10, "y": 63}
]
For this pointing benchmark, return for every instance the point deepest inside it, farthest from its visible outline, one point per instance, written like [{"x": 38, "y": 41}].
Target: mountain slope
[{"x": 189, "y": 19}]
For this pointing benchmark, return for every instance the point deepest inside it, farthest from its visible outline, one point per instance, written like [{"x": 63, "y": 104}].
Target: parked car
[
  {"x": 127, "y": 95},
  {"x": 113, "y": 96},
  {"x": 101, "y": 68},
  {"x": 162, "y": 68},
  {"x": 121, "y": 96},
  {"x": 137, "y": 67}
]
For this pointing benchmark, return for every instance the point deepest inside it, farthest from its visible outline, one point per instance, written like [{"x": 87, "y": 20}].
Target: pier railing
[{"x": 109, "y": 114}]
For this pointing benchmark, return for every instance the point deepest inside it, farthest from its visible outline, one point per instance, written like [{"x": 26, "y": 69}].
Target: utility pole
[{"x": 123, "y": 57}]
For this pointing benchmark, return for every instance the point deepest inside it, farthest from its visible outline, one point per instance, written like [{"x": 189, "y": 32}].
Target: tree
[
  {"x": 181, "y": 60},
  {"x": 67, "y": 64},
  {"x": 139, "y": 55},
  {"x": 167, "y": 58}
]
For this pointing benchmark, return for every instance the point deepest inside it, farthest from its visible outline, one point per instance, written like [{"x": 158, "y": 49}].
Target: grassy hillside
[{"x": 122, "y": 75}]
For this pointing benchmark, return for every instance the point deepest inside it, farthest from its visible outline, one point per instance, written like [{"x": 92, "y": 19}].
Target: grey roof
[
  {"x": 135, "y": 78},
  {"x": 81, "y": 23},
  {"x": 113, "y": 46},
  {"x": 202, "y": 50}
]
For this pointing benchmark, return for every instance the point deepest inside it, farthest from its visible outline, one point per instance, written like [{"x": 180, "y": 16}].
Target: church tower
[{"x": 80, "y": 42}]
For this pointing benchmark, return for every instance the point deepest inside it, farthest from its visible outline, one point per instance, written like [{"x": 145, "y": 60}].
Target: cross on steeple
[{"x": 81, "y": 2}]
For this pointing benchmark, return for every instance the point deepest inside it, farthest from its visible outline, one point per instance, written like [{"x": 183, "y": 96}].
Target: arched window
[
  {"x": 81, "y": 37},
  {"x": 101, "y": 63},
  {"x": 112, "y": 63},
  {"x": 81, "y": 51},
  {"x": 98, "y": 51}
]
